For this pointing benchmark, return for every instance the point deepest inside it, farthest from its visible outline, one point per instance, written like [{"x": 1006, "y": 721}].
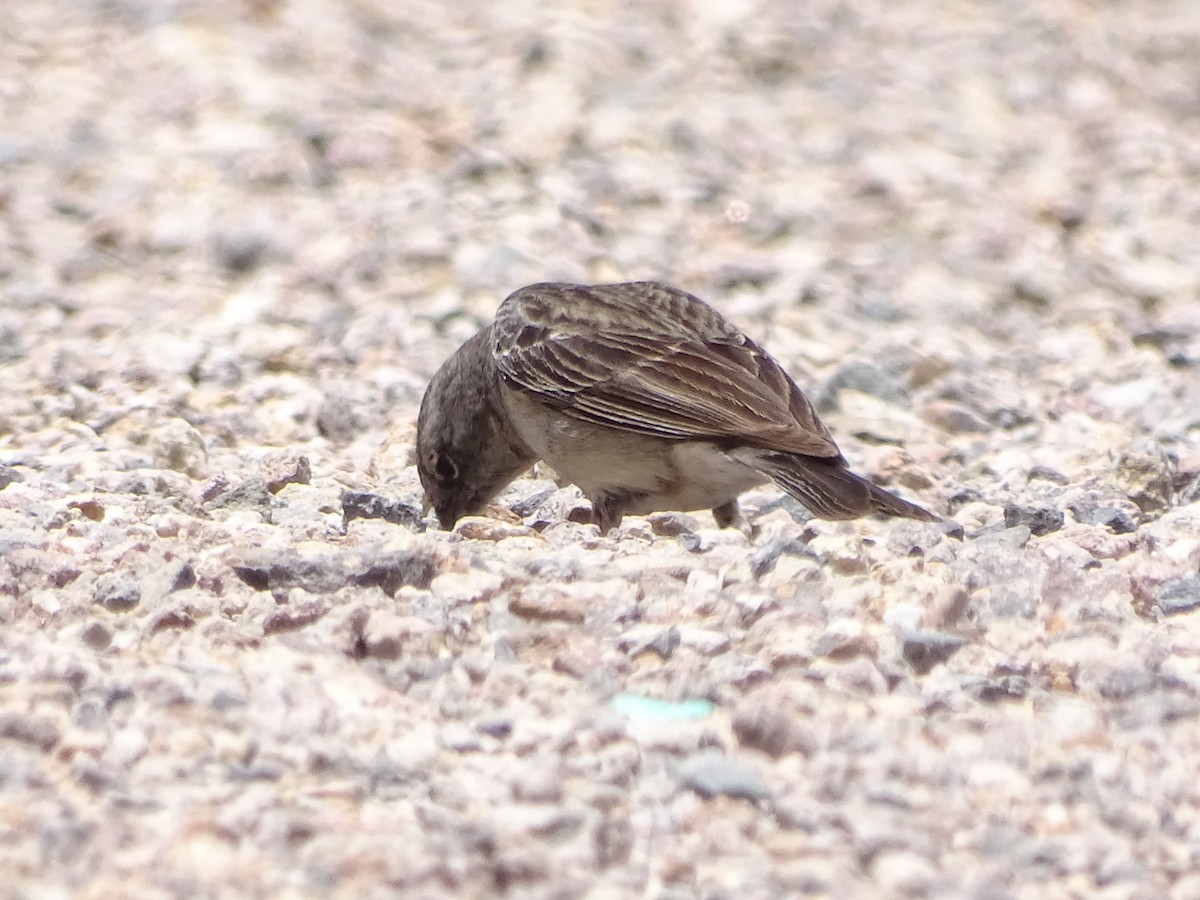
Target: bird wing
[{"x": 650, "y": 358}]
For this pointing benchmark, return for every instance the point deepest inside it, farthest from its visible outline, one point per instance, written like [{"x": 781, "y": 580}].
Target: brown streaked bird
[{"x": 640, "y": 394}]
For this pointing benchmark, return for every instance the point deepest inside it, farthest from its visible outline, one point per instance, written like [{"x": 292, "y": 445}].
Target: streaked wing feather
[{"x": 652, "y": 359}]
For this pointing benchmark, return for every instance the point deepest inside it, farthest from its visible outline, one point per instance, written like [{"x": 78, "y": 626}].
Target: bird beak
[{"x": 445, "y": 517}]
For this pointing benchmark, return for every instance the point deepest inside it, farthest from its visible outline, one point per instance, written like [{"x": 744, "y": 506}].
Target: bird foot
[
  {"x": 730, "y": 515},
  {"x": 608, "y": 509}
]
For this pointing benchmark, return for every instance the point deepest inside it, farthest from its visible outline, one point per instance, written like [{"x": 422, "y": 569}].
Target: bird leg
[
  {"x": 730, "y": 514},
  {"x": 608, "y": 508},
  {"x": 727, "y": 513}
]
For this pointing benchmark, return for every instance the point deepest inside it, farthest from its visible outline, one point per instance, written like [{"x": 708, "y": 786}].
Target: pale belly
[
  {"x": 655, "y": 474},
  {"x": 704, "y": 478}
]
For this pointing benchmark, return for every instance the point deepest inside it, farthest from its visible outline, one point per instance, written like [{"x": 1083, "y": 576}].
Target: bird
[{"x": 642, "y": 395}]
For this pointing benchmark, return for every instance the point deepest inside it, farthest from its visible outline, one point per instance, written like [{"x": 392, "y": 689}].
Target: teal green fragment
[{"x": 649, "y": 709}]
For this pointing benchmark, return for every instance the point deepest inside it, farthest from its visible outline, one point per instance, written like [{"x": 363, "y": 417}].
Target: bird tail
[{"x": 831, "y": 491}]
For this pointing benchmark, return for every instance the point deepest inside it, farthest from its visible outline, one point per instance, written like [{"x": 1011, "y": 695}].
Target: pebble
[
  {"x": 174, "y": 616},
  {"x": 1116, "y": 520},
  {"x": 703, "y": 640},
  {"x": 177, "y": 445},
  {"x": 546, "y": 604},
  {"x": 672, "y": 524},
  {"x": 844, "y": 640},
  {"x": 1179, "y": 595},
  {"x": 301, "y": 611},
  {"x": 387, "y": 635},
  {"x": 380, "y": 566},
  {"x": 499, "y": 727},
  {"x": 1147, "y": 477},
  {"x": 766, "y": 556},
  {"x": 925, "y": 649},
  {"x": 954, "y": 418},
  {"x": 900, "y": 873},
  {"x": 463, "y": 588},
  {"x": 538, "y": 783},
  {"x": 659, "y": 640},
  {"x": 1001, "y": 686},
  {"x": 1039, "y": 520},
  {"x": 864, "y": 378},
  {"x": 242, "y": 248},
  {"x": 366, "y": 505},
  {"x": 771, "y": 722},
  {"x": 340, "y": 420},
  {"x": 117, "y": 592},
  {"x": 283, "y": 468},
  {"x": 249, "y": 495},
  {"x": 459, "y": 739},
  {"x": 37, "y": 731},
  {"x": 96, "y": 635},
  {"x": 710, "y": 773},
  {"x": 480, "y": 529}
]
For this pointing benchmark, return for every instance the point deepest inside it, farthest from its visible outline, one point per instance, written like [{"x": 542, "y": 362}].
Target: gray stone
[
  {"x": 925, "y": 649},
  {"x": 38, "y": 731},
  {"x": 366, "y": 505},
  {"x": 1039, "y": 520},
  {"x": 242, "y": 248},
  {"x": 8, "y": 475},
  {"x": 711, "y": 773},
  {"x": 864, "y": 378},
  {"x": 1116, "y": 520},
  {"x": 250, "y": 494},
  {"x": 340, "y": 420},
  {"x": 96, "y": 635},
  {"x": 325, "y": 573},
  {"x": 117, "y": 592},
  {"x": 1179, "y": 595}
]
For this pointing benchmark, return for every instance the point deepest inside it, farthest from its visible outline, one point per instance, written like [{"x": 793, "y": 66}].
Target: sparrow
[{"x": 639, "y": 393}]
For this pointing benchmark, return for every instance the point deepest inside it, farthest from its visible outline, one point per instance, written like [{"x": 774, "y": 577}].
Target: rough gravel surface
[{"x": 237, "y": 238}]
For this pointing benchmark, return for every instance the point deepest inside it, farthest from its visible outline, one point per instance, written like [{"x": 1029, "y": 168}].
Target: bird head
[{"x": 467, "y": 450}]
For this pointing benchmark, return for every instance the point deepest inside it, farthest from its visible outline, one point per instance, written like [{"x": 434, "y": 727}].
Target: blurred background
[{"x": 196, "y": 194}]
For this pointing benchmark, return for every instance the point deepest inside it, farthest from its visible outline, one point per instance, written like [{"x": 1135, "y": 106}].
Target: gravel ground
[{"x": 236, "y": 239}]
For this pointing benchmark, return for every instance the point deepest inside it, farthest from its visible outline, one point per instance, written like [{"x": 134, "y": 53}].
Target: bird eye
[{"x": 445, "y": 469}]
